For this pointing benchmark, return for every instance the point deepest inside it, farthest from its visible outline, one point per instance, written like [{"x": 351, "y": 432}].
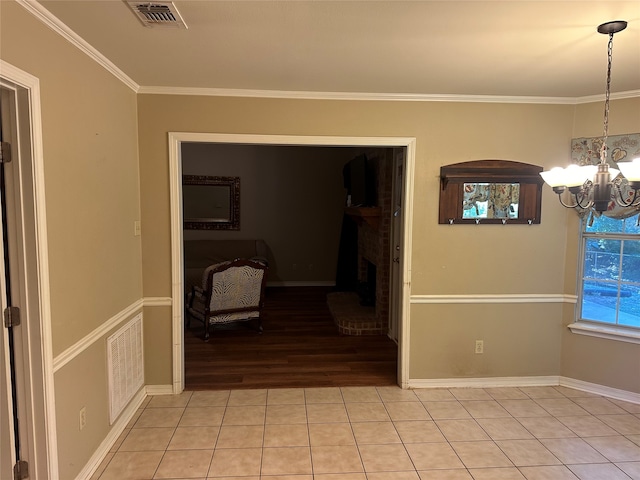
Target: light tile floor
[{"x": 379, "y": 433}]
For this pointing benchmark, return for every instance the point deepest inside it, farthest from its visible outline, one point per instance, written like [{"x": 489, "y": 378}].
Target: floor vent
[
  {"x": 157, "y": 14},
  {"x": 125, "y": 362}
]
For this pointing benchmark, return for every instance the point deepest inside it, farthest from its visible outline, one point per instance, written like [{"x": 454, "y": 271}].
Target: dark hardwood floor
[{"x": 300, "y": 347}]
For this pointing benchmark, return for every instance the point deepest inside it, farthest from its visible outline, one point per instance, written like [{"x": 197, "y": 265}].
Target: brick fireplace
[{"x": 365, "y": 309}]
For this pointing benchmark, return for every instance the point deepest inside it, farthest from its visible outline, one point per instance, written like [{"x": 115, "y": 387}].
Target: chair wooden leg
[{"x": 206, "y": 331}]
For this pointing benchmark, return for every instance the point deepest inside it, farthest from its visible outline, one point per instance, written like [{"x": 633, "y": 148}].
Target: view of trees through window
[{"x": 610, "y": 287}]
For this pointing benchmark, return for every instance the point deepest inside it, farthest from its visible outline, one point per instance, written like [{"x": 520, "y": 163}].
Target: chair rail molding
[
  {"x": 81, "y": 345},
  {"x": 495, "y": 298}
]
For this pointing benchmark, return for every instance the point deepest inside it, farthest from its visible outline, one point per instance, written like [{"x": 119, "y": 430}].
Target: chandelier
[{"x": 594, "y": 186}]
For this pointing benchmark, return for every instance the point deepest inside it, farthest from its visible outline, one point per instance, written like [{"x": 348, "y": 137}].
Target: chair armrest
[{"x": 196, "y": 292}]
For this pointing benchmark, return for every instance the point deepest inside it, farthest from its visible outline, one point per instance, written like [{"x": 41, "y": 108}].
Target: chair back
[{"x": 236, "y": 286}]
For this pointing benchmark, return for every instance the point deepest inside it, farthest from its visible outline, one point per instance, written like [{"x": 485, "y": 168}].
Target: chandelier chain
[{"x": 603, "y": 148}]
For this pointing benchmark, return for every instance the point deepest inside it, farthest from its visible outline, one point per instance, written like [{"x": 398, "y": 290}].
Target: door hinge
[
  {"x": 5, "y": 152},
  {"x": 11, "y": 317},
  {"x": 20, "y": 470}
]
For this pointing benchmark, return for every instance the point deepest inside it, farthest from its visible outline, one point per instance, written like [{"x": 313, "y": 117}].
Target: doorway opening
[{"x": 176, "y": 141}]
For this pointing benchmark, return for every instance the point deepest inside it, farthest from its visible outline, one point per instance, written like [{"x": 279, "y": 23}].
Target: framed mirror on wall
[
  {"x": 210, "y": 203},
  {"x": 490, "y": 191}
]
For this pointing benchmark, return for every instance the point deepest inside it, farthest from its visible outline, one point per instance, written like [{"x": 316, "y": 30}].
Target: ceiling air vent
[{"x": 157, "y": 14}]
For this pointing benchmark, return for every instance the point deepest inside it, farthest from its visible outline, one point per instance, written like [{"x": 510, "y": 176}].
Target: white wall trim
[
  {"x": 175, "y": 140},
  {"x": 605, "y": 331},
  {"x": 487, "y": 382},
  {"x": 157, "y": 302},
  {"x": 535, "y": 381},
  {"x": 404, "y": 322},
  {"x": 600, "y": 390},
  {"x": 115, "y": 432},
  {"x": 393, "y": 97},
  {"x": 159, "y": 390},
  {"x": 490, "y": 298},
  {"x": 81, "y": 345},
  {"x": 614, "y": 96},
  {"x": 55, "y": 24}
]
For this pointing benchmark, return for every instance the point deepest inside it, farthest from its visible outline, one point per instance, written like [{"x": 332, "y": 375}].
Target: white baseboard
[
  {"x": 159, "y": 389},
  {"x": 115, "y": 432},
  {"x": 488, "y": 382},
  {"x": 600, "y": 390},
  {"x": 543, "y": 381}
]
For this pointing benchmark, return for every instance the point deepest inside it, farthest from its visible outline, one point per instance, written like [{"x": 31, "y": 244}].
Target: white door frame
[
  {"x": 177, "y": 261},
  {"x": 35, "y": 335}
]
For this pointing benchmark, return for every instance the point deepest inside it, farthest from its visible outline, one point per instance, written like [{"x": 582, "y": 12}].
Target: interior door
[
  {"x": 14, "y": 446},
  {"x": 395, "y": 307},
  {"x": 7, "y": 441}
]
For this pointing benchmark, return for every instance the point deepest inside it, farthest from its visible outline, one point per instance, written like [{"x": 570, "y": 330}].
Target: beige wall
[
  {"x": 447, "y": 260},
  {"x": 90, "y": 154},
  {"x": 519, "y": 340}
]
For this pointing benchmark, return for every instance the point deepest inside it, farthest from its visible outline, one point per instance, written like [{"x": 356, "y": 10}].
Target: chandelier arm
[
  {"x": 582, "y": 196},
  {"x": 634, "y": 202},
  {"x": 577, "y": 202},
  {"x": 566, "y": 205}
]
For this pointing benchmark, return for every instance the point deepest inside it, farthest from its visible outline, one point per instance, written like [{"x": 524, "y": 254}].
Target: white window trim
[
  {"x": 605, "y": 331},
  {"x": 596, "y": 329}
]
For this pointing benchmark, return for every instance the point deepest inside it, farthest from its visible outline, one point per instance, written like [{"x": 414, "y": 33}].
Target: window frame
[{"x": 614, "y": 331}]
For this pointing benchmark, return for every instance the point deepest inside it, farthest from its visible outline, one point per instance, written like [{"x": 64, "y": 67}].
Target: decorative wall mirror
[
  {"x": 490, "y": 191},
  {"x": 211, "y": 203}
]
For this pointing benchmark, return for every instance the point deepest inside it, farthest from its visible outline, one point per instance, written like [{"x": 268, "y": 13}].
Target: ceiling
[{"x": 408, "y": 49}]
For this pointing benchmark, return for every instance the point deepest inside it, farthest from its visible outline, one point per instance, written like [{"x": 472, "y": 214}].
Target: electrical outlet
[
  {"x": 136, "y": 228},
  {"x": 83, "y": 417},
  {"x": 295, "y": 266},
  {"x": 479, "y": 346}
]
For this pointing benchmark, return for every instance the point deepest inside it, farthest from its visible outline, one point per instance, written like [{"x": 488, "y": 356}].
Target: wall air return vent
[{"x": 157, "y": 14}]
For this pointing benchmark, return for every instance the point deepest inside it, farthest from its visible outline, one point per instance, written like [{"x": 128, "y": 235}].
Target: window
[{"x": 610, "y": 283}]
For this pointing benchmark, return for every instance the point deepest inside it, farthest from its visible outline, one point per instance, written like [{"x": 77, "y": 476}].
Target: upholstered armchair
[{"x": 231, "y": 292}]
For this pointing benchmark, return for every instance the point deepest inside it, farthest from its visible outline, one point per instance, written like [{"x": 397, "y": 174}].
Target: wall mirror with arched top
[{"x": 490, "y": 191}]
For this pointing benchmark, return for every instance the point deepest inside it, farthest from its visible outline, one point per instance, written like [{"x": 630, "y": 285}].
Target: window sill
[{"x": 605, "y": 331}]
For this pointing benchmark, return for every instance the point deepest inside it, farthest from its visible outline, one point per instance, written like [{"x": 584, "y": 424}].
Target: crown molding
[
  {"x": 54, "y": 23},
  {"x": 392, "y": 97},
  {"x": 363, "y": 96},
  {"x": 614, "y": 96}
]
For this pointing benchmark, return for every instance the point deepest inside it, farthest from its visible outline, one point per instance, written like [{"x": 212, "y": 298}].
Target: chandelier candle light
[{"x": 595, "y": 186}]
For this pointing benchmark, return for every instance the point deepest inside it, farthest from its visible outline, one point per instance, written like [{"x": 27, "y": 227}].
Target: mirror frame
[
  {"x": 454, "y": 176},
  {"x": 234, "y": 203}
]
